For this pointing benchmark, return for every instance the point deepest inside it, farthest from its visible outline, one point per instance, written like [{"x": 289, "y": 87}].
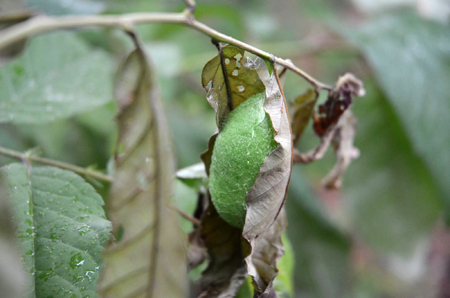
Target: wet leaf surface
[
  {"x": 149, "y": 255},
  {"x": 62, "y": 229},
  {"x": 228, "y": 88}
]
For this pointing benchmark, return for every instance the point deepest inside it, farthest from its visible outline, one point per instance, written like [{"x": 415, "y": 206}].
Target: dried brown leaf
[
  {"x": 148, "y": 258},
  {"x": 265, "y": 199},
  {"x": 267, "y": 249},
  {"x": 226, "y": 270},
  {"x": 301, "y": 111}
]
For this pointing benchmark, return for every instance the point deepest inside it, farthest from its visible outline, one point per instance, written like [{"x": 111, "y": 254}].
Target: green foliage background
[{"x": 374, "y": 237}]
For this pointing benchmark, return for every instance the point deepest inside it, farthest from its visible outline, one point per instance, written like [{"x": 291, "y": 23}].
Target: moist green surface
[{"x": 240, "y": 150}]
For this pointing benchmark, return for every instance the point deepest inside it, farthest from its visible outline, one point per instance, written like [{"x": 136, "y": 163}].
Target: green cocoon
[{"x": 240, "y": 149}]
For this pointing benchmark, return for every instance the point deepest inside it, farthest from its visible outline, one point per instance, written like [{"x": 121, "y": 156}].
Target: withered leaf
[
  {"x": 228, "y": 88},
  {"x": 226, "y": 271},
  {"x": 267, "y": 249},
  {"x": 266, "y": 197},
  {"x": 148, "y": 257},
  {"x": 301, "y": 111}
]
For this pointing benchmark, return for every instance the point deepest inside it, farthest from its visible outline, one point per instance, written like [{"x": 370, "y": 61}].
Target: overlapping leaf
[
  {"x": 148, "y": 258},
  {"x": 301, "y": 111},
  {"x": 267, "y": 250},
  {"x": 226, "y": 270},
  {"x": 266, "y": 197},
  {"x": 227, "y": 88},
  {"x": 62, "y": 229}
]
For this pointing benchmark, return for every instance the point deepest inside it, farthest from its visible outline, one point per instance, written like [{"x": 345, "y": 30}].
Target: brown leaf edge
[{"x": 148, "y": 254}]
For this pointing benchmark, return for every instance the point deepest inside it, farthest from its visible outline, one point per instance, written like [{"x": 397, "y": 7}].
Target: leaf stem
[
  {"x": 59, "y": 164},
  {"x": 42, "y": 24}
]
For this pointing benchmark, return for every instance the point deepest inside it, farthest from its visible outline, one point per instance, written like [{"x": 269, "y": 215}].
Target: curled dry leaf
[
  {"x": 344, "y": 149},
  {"x": 148, "y": 257},
  {"x": 226, "y": 271},
  {"x": 301, "y": 111},
  {"x": 338, "y": 101},
  {"x": 267, "y": 249},
  {"x": 266, "y": 197}
]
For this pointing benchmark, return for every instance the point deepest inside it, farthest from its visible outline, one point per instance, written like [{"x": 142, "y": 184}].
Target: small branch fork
[{"x": 41, "y": 24}]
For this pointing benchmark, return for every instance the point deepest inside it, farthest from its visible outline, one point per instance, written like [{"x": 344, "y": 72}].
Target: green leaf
[
  {"x": 411, "y": 60},
  {"x": 56, "y": 7},
  {"x": 62, "y": 229},
  {"x": 392, "y": 199},
  {"x": 322, "y": 253},
  {"x": 58, "y": 76},
  {"x": 194, "y": 176},
  {"x": 283, "y": 282},
  {"x": 239, "y": 152},
  {"x": 228, "y": 88},
  {"x": 149, "y": 256}
]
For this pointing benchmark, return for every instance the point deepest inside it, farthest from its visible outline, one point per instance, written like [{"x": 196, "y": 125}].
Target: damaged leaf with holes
[{"x": 229, "y": 82}]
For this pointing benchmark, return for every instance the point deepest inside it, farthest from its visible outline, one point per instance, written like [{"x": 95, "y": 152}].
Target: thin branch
[
  {"x": 41, "y": 24},
  {"x": 186, "y": 216},
  {"x": 51, "y": 162},
  {"x": 319, "y": 151}
]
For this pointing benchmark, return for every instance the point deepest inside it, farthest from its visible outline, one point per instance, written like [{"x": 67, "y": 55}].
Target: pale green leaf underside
[
  {"x": 57, "y": 76},
  {"x": 61, "y": 227}
]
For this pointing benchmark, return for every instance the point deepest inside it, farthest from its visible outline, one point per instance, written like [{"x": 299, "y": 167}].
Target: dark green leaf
[
  {"x": 411, "y": 59},
  {"x": 150, "y": 257},
  {"x": 58, "y": 76},
  {"x": 62, "y": 229},
  {"x": 228, "y": 88},
  {"x": 322, "y": 253}
]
